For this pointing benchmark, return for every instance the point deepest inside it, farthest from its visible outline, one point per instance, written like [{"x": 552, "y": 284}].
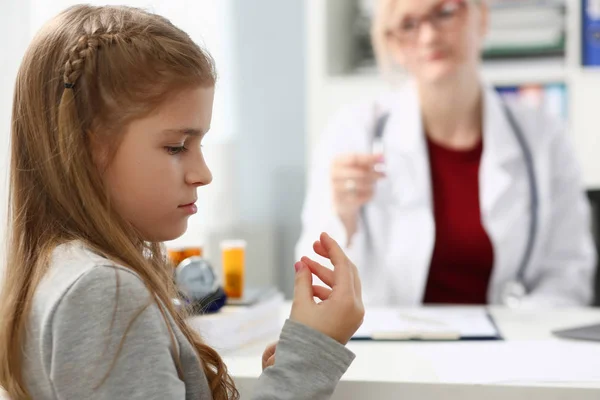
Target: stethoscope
[{"x": 515, "y": 290}]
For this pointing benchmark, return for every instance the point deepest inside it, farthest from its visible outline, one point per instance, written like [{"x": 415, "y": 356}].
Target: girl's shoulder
[
  {"x": 76, "y": 275},
  {"x": 82, "y": 312}
]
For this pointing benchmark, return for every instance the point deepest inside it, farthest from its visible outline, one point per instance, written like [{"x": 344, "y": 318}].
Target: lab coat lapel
[
  {"x": 503, "y": 192},
  {"x": 410, "y": 229}
]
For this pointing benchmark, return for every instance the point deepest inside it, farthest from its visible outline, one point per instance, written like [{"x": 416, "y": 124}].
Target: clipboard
[{"x": 428, "y": 324}]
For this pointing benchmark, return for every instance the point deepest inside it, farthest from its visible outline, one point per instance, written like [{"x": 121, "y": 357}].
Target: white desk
[{"x": 529, "y": 364}]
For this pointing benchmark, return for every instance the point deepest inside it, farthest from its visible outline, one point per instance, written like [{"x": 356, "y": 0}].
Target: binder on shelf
[
  {"x": 590, "y": 39},
  {"x": 524, "y": 29},
  {"x": 523, "y": 43},
  {"x": 551, "y": 98},
  {"x": 526, "y": 3},
  {"x": 530, "y": 16},
  {"x": 556, "y": 100}
]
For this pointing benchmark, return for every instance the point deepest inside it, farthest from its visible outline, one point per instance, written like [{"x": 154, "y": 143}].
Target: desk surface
[{"x": 530, "y": 362}]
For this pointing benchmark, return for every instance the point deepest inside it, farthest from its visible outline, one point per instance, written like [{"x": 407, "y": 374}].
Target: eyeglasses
[{"x": 446, "y": 16}]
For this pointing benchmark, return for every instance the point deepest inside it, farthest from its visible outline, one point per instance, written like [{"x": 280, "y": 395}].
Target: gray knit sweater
[{"x": 82, "y": 309}]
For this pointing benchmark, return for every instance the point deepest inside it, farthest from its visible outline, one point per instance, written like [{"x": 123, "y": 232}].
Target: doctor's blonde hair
[
  {"x": 386, "y": 13},
  {"x": 86, "y": 75}
]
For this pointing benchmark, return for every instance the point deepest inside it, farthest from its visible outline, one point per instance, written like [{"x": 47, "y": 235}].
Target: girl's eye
[{"x": 174, "y": 150}]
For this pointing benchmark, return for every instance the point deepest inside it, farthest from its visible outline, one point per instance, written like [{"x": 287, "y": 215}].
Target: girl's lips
[{"x": 190, "y": 208}]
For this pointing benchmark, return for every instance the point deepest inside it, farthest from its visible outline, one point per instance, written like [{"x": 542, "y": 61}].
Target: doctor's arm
[
  {"x": 341, "y": 145},
  {"x": 568, "y": 256}
]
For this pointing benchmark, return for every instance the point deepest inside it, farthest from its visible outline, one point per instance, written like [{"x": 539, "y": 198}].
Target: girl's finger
[
  {"x": 320, "y": 250},
  {"x": 321, "y": 292},
  {"x": 343, "y": 270},
  {"x": 357, "y": 282},
  {"x": 323, "y": 273}
]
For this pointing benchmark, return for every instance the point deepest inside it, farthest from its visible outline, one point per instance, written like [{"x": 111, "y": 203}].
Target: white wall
[
  {"x": 208, "y": 22},
  {"x": 272, "y": 129},
  {"x": 14, "y": 26}
]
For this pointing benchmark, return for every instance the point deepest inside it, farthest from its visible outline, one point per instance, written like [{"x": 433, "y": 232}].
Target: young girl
[{"x": 110, "y": 108}]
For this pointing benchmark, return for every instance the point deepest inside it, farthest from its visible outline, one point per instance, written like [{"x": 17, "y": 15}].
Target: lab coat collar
[
  {"x": 405, "y": 126},
  {"x": 405, "y": 142},
  {"x": 499, "y": 140},
  {"x": 500, "y": 149}
]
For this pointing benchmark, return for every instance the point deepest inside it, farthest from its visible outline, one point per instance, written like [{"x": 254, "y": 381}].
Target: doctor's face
[{"x": 437, "y": 39}]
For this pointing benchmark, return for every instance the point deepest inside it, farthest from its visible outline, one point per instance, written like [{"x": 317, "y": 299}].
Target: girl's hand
[
  {"x": 268, "y": 358},
  {"x": 341, "y": 311}
]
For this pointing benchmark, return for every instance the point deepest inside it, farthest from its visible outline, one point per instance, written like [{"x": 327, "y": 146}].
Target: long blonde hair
[
  {"x": 89, "y": 72},
  {"x": 384, "y": 10}
]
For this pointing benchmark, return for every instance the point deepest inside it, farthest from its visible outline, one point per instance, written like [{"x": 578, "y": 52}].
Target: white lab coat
[{"x": 394, "y": 263}]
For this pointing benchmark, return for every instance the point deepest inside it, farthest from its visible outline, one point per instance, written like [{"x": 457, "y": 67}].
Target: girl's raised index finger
[{"x": 342, "y": 270}]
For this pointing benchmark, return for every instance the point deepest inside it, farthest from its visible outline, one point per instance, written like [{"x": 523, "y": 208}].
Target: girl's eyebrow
[{"x": 185, "y": 131}]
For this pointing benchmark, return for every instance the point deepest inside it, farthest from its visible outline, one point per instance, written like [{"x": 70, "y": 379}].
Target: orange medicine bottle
[
  {"x": 233, "y": 258},
  {"x": 178, "y": 254}
]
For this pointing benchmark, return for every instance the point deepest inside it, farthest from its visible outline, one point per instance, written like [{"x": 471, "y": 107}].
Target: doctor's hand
[
  {"x": 340, "y": 312},
  {"x": 353, "y": 179}
]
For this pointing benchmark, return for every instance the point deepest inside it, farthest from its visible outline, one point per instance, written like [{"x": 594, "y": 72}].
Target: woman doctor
[{"x": 443, "y": 193}]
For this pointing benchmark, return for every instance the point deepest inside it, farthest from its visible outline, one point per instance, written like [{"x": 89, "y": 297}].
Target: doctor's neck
[{"x": 452, "y": 112}]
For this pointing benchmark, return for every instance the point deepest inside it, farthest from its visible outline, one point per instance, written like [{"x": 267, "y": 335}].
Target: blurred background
[{"x": 286, "y": 66}]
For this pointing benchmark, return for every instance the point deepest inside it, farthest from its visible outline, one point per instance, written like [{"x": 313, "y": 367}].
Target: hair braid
[{"x": 85, "y": 47}]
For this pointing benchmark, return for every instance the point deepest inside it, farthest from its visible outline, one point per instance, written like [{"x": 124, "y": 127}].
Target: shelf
[
  {"x": 497, "y": 72},
  {"x": 525, "y": 71}
]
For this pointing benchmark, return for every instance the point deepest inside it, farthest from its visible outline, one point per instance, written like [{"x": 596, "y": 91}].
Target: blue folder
[{"x": 590, "y": 39}]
